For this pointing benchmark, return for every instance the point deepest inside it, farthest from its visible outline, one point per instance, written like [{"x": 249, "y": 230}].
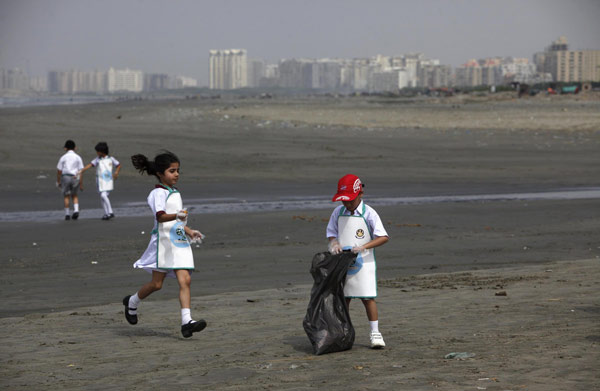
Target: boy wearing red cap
[{"x": 356, "y": 226}]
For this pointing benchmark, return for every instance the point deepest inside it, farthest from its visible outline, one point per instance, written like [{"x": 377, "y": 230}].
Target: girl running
[{"x": 169, "y": 252}]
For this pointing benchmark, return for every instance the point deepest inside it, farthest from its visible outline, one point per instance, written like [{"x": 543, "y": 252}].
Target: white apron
[
  {"x": 174, "y": 251},
  {"x": 361, "y": 281},
  {"x": 104, "y": 174}
]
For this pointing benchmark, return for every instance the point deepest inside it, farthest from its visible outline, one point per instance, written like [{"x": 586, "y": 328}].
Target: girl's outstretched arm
[{"x": 80, "y": 173}]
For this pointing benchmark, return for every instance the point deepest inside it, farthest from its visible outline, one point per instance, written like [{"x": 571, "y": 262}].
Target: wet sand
[{"x": 61, "y": 312}]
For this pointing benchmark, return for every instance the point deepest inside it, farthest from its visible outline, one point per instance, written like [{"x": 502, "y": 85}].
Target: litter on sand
[{"x": 459, "y": 355}]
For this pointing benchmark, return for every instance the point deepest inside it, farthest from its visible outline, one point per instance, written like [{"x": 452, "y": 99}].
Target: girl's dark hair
[
  {"x": 160, "y": 164},
  {"x": 102, "y": 147}
]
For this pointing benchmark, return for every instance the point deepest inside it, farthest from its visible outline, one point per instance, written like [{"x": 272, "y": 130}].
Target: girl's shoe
[
  {"x": 192, "y": 327},
  {"x": 75, "y": 215},
  {"x": 105, "y": 217},
  {"x": 112, "y": 215},
  {"x": 132, "y": 319}
]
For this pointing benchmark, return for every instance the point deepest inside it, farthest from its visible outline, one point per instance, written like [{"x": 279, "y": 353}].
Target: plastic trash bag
[{"x": 327, "y": 322}]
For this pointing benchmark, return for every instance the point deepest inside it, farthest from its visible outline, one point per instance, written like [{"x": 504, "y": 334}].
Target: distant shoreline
[{"x": 17, "y": 99}]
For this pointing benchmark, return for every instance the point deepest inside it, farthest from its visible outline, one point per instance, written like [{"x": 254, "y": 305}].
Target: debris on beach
[
  {"x": 408, "y": 225},
  {"x": 501, "y": 293},
  {"x": 459, "y": 355}
]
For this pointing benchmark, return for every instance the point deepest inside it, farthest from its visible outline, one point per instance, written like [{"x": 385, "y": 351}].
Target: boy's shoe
[
  {"x": 112, "y": 215},
  {"x": 67, "y": 217},
  {"x": 376, "y": 340},
  {"x": 132, "y": 319},
  {"x": 192, "y": 327},
  {"x": 75, "y": 215},
  {"x": 105, "y": 217}
]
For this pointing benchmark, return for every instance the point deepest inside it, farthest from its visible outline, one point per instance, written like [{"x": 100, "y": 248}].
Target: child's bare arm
[
  {"x": 84, "y": 169},
  {"x": 192, "y": 233},
  {"x": 163, "y": 218},
  {"x": 116, "y": 174},
  {"x": 378, "y": 241}
]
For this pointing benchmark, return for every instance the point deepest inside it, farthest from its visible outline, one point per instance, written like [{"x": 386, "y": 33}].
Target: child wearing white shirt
[
  {"x": 357, "y": 227},
  {"x": 67, "y": 178}
]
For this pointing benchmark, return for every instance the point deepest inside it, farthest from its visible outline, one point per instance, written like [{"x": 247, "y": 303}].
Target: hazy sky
[{"x": 174, "y": 36}]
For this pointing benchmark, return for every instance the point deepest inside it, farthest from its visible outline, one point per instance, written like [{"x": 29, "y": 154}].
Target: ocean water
[
  {"x": 235, "y": 205},
  {"x": 6, "y": 102}
]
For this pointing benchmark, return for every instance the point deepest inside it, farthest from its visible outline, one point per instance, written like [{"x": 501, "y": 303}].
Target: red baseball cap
[{"x": 349, "y": 186}]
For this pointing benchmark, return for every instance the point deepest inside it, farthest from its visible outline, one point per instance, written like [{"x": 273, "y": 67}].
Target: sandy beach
[{"x": 512, "y": 280}]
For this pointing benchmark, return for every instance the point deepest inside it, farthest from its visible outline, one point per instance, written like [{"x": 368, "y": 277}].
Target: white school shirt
[
  {"x": 70, "y": 163},
  {"x": 372, "y": 218},
  {"x": 157, "y": 201},
  {"x": 115, "y": 162}
]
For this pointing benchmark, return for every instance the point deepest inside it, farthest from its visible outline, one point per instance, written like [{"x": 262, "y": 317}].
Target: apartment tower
[{"x": 228, "y": 69}]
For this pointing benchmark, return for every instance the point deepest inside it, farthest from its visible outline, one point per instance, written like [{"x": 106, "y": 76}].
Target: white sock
[
  {"x": 105, "y": 203},
  {"x": 374, "y": 326},
  {"x": 66, "y": 211},
  {"x": 75, "y": 207},
  {"x": 134, "y": 301},
  {"x": 186, "y": 316}
]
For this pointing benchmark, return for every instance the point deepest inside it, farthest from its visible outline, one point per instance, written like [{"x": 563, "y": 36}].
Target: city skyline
[{"x": 176, "y": 39}]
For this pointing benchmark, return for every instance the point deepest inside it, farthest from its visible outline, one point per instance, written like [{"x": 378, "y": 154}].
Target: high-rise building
[
  {"x": 14, "y": 79},
  {"x": 156, "y": 81},
  {"x": 294, "y": 73},
  {"x": 38, "y": 83},
  {"x": 469, "y": 74},
  {"x": 256, "y": 71},
  {"x": 434, "y": 75},
  {"x": 75, "y": 81},
  {"x": 271, "y": 77},
  {"x": 124, "y": 80},
  {"x": 570, "y": 65},
  {"x": 228, "y": 69}
]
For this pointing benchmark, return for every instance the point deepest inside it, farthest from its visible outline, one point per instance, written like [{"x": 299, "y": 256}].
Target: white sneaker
[{"x": 376, "y": 340}]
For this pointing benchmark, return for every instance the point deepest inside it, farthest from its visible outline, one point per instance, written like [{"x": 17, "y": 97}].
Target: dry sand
[
  {"x": 63, "y": 324},
  {"x": 530, "y": 328}
]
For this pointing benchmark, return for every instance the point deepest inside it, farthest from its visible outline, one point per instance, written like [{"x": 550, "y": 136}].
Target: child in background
[
  {"x": 107, "y": 171},
  {"x": 169, "y": 252},
  {"x": 67, "y": 178},
  {"x": 356, "y": 226}
]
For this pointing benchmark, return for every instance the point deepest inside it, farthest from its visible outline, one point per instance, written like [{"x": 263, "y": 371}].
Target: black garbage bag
[{"x": 327, "y": 322}]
